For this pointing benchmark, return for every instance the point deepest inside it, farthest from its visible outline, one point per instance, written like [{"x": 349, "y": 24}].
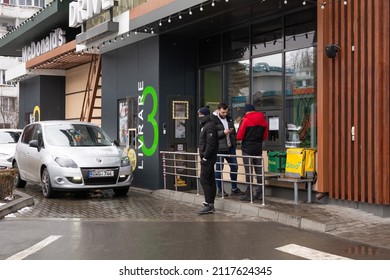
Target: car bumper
[{"x": 73, "y": 179}]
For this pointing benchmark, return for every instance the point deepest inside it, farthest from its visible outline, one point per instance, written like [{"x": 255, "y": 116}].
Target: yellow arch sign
[{"x": 37, "y": 111}]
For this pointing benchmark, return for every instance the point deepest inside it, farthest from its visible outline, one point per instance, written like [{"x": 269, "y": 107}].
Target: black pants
[
  {"x": 248, "y": 164},
  {"x": 207, "y": 179}
]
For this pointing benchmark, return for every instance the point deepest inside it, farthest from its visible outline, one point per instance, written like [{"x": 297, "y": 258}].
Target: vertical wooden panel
[
  {"x": 385, "y": 7},
  {"x": 336, "y": 78},
  {"x": 323, "y": 104},
  {"x": 361, "y": 114}
]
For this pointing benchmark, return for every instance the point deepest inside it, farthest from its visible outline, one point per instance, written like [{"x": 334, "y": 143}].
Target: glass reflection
[
  {"x": 301, "y": 101},
  {"x": 267, "y": 83},
  {"x": 237, "y": 78}
]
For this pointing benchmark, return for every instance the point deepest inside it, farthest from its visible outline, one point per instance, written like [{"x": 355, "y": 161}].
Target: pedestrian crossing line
[
  {"x": 308, "y": 253},
  {"x": 25, "y": 253}
]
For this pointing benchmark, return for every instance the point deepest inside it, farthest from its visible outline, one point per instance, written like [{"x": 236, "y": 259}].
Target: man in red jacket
[{"x": 253, "y": 130}]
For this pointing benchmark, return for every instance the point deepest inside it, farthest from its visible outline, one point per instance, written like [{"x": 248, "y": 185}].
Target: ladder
[{"x": 91, "y": 90}]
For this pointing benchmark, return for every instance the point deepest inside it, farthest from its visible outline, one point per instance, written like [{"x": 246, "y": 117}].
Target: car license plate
[{"x": 100, "y": 173}]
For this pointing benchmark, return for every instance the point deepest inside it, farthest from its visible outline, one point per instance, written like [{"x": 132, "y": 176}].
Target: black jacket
[
  {"x": 223, "y": 145},
  {"x": 208, "y": 139}
]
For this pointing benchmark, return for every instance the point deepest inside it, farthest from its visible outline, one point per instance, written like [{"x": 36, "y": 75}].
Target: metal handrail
[{"x": 193, "y": 158}]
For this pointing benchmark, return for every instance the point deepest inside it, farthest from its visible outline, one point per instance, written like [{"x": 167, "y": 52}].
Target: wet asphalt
[{"x": 140, "y": 225}]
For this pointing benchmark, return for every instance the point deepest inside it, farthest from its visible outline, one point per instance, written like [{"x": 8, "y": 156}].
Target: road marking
[
  {"x": 308, "y": 253},
  {"x": 23, "y": 254}
]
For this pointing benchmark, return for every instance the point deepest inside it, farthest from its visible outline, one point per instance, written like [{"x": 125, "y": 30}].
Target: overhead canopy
[{"x": 43, "y": 22}]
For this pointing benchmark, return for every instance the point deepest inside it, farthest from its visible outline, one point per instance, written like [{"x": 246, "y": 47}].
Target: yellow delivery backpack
[{"x": 300, "y": 163}]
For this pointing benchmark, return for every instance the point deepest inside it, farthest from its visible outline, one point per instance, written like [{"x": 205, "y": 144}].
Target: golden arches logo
[{"x": 37, "y": 111}]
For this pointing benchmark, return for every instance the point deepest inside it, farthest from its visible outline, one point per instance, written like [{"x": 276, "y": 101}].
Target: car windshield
[
  {"x": 9, "y": 137},
  {"x": 79, "y": 135}
]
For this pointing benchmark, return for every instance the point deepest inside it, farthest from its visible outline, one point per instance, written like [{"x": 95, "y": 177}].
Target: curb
[
  {"x": 250, "y": 210},
  {"x": 22, "y": 201}
]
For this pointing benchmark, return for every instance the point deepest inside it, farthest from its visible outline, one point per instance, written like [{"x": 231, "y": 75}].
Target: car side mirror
[
  {"x": 34, "y": 144},
  {"x": 116, "y": 143}
]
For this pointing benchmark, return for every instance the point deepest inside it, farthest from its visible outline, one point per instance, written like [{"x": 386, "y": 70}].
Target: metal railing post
[
  {"x": 164, "y": 172},
  {"x": 175, "y": 179},
  {"x": 197, "y": 174}
]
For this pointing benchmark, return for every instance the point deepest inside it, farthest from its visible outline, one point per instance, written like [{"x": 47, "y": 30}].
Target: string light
[{"x": 201, "y": 8}]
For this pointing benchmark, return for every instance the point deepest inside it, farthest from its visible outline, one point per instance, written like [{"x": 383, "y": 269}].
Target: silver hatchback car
[{"x": 70, "y": 156}]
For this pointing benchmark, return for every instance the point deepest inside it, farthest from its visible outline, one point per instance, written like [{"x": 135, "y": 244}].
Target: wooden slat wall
[{"x": 354, "y": 90}]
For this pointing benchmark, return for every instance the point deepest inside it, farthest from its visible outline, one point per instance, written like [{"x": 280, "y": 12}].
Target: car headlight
[
  {"x": 66, "y": 162},
  {"x": 125, "y": 161}
]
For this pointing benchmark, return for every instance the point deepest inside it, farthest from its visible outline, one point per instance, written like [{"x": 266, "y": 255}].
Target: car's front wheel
[
  {"x": 47, "y": 190},
  {"x": 18, "y": 182},
  {"x": 121, "y": 191}
]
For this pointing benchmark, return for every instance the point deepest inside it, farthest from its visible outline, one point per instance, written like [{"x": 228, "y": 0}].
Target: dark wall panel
[
  {"x": 29, "y": 97},
  {"x": 52, "y": 97},
  {"x": 123, "y": 71},
  {"x": 47, "y": 92}
]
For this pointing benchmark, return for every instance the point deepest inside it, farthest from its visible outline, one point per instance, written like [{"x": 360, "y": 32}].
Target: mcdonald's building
[{"x": 318, "y": 70}]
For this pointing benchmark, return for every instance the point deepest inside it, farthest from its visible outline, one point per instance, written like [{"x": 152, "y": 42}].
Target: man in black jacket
[
  {"x": 208, "y": 149},
  {"x": 227, "y": 145}
]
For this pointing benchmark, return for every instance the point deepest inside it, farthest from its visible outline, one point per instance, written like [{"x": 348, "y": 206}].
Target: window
[
  {"x": 212, "y": 87},
  {"x": 267, "y": 37},
  {"x": 301, "y": 101},
  {"x": 28, "y": 134},
  {"x": 237, "y": 85},
  {"x": 300, "y": 30},
  {"x": 267, "y": 81},
  {"x": 236, "y": 44},
  {"x": 8, "y": 104}
]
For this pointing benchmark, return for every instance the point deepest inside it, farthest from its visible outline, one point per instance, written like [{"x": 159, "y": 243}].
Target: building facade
[
  {"x": 318, "y": 70},
  {"x": 12, "y": 14}
]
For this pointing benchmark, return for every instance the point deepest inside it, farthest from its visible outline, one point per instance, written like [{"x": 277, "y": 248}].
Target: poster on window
[{"x": 123, "y": 136}]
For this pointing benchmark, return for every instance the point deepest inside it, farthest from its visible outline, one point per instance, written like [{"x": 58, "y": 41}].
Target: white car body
[
  {"x": 8, "y": 142},
  {"x": 57, "y": 150}
]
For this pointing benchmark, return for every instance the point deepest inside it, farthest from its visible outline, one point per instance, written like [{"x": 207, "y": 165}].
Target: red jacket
[{"x": 252, "y": 131}]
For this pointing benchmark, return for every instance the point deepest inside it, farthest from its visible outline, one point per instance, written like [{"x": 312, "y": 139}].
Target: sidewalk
[
  {"x": 352, "y": 224},
  {"x": 22, "y": 200}
]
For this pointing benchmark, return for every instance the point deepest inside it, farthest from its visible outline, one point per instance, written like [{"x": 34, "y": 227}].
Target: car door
[
  {"x": 35, "y": 156},
  {"x": 22, "y": 153}
]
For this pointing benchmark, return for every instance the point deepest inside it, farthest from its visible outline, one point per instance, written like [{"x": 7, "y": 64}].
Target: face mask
[{"x": 201, "y": 119}]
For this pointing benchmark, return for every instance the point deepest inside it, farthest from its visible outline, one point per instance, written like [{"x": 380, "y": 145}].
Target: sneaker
[
  {"x": 237, "y": 191},
  {"x": 225, "y": 194},
  {"x": 206, "y": 209}
]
